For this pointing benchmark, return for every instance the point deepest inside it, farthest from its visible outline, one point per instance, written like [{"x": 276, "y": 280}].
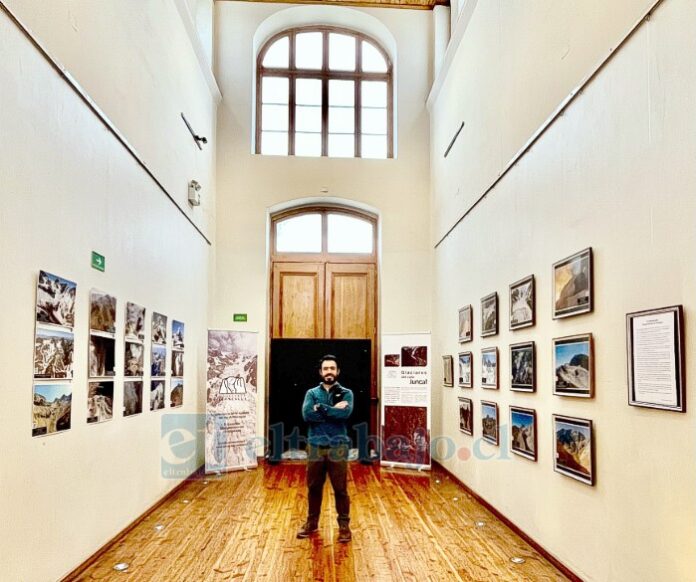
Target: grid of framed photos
[
  {"x": 572, "y": 360},
  {"x": 53, "y": 354}
]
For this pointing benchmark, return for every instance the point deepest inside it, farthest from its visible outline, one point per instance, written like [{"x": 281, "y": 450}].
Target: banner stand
[{"x": 406, "y": 402}]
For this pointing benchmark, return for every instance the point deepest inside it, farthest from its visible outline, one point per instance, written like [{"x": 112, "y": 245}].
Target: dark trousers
[{"x": 334, "y": 461}]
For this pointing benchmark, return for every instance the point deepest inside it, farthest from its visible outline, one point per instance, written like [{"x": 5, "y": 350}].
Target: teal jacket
[{"x": 327, "y": 424}]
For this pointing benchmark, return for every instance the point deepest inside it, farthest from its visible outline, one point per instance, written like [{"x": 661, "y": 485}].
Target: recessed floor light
[
  {"x": 121, "y": 567},
  {"x": 186, "y": 501},
  {"x": 455, "y": 498},
  {"x": 480, "y": 524},
  {"x": 159, "y": 527},
  {"x": 517, "y": 560}
]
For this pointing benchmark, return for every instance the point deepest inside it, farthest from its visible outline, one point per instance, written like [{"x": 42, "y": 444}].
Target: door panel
[
  {"x": 298, "y": 300},
  {"x": 350, "y": 301}
]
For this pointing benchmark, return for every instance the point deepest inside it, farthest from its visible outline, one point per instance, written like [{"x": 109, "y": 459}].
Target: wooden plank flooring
[{"x": 241, "y": 526}]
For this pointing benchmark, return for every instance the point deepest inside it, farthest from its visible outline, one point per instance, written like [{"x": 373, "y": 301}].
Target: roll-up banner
[
  {"x": 406, "y": 383},
  {"x": 230, "y": 419}
]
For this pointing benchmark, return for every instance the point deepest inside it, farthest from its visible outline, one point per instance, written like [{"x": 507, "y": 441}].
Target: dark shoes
[
  {"x": 307, "y": 529},
  {"x": 344, "y": 534}
]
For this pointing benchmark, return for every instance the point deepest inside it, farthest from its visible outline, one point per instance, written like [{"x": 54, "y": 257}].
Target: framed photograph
[
  {"x": 51, "y": 408},
  {"x": 158, "y": 360},
  {"x": 489, "y": 315},
  {"x": 466, "y": 370},
  {"x": 572, "y": 285},
  {"x": 100, "y": 402},
  {"x": 132, "y": 397},
  {"x": 522, "y": 303},
  {"x": 466, "y": 416},
  {"x": 489, "y": 368},
  {"x": 523, "y": 367},
  {"x": 466, "y": 324},
  {"x": 176, "y": 396},
  {"x": 574, "y": 448},
  {"x": 448, "y": 365},
  {"x": 135, "y": 322},
  {"x": 573, "y": 366},
  {"x": 489, "y": 421},
  {"x": 655, "y": 342},
  {"x": 177, "y": 335},
  {"x": 157, "y": 394},
  {"x": 523, "y": 429},
  {"x": 102, "y": 355},
  {"x": 53, "y": 353}
]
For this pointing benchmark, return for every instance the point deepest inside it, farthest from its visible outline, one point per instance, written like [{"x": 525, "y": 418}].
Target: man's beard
[{"x": 329, "y": 379}]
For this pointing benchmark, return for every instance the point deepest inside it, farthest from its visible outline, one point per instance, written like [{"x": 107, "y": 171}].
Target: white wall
[
  {"x": 511, "y": 63},
  {"x": 248, "y": 185},
  {"x": 117, "y": 51},
  {"x": 614, "y": 173},
  {"x": 69, "y": 188}
]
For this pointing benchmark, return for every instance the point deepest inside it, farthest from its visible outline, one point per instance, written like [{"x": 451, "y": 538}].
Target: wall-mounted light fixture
[{"x": 194, "y": 193}]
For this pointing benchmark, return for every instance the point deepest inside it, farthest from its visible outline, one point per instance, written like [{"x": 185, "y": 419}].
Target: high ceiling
[{"x": 412, "y": 4}]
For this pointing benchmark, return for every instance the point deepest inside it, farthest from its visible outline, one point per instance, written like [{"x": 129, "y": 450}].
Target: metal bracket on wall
[
  {"x": 456, "y": 135},
  {"x": 197, "y": 138}
]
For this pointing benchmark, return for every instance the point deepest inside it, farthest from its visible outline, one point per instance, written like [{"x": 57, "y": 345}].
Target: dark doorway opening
[{"x": 294, "y": 369}]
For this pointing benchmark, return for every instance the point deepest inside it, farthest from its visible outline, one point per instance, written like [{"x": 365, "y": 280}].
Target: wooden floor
[{"x": 241, "y": 526}]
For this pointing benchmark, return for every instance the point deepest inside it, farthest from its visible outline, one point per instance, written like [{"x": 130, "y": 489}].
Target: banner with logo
[
  {"x": 230, "y": 419},
  {"x": 406, "y": 383}
]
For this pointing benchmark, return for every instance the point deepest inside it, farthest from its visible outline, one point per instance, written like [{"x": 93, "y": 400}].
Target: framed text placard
[{"x": 655, "y": 341}]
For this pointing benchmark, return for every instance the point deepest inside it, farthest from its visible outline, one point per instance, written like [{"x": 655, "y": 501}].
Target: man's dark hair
[{"x": 328, "y": 357}]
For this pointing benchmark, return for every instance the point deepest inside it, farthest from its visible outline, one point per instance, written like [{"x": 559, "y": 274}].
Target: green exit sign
[
  {"x": 239, "y": 317},
  {"x": 98, "y": 261}
]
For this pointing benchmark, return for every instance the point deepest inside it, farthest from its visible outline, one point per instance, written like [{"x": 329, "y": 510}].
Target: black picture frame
[
  {"x": 572, "y": 285},
  {"x": 571, "y": 437},
  {"x": 489, "y": 315},
  {"x": 653, "y": 332},
  {"x": 523, "y": 367},
  {"x": 522, "y": 291}
]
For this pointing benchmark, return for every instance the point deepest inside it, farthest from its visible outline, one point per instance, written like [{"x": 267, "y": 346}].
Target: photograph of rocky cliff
[
  {"x": 176, "y": 397},
  {"x": 102, "y": 356},
  {"x": 132, "y": 398},
  {"x": 159, "y": 328},
  {"x": 134, "y": 359},
  {"x": 489, "y": 315},
  {"x": 489, "y": 421},
  {"x": 572, "y": 283},
  {"x": 523, "y": 432},
  {"x": 51, "y": 409},
  {"x": 53, "y": 354},
  {"x": 156, "y": 394},
  {"x": 489, "y": 368},
  {"x": 55, "y": 300},
  {"x": 158, "y": 361},
  {"x": 522, "y": 303},
  {"x": 522, "y": 374},
  {"x": 100, "y": 402},
  {"x": 573, "y": 366},
  {"x": 466, "y": 416},
  {"x": 574, "y": 455},
  {"x": 177, "y": 335},
  {"x": 135, "y": 322},
  {"x": 102, "y": 312}
]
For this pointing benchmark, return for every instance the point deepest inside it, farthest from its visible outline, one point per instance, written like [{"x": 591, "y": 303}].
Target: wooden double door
[{"x": 327, "y": 300}]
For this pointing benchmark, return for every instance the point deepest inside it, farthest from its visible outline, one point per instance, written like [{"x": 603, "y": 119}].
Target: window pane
[
  {"x": 341, "y": 52},
  {"x": 372, "y": 59},
  {"x": 341, "y": 146},
  {"x": 274, "y": 143},
  {"x": 308, "y": 144},
  {"x": 342, "y": 93},
  {"x": 274, "y": 90},
  {"x": 308, "y": 92},
  {"x": 278, "y": 54},
  {"x": 349, "y": 235},
  {"x": 309, "y": 50},
  {"x": 308, "y": 118},
  {"x": 374, "y": 93},
  {"x": 373, "y": 146},
  {"x": 274, "y": 117},
  {"x": 299, "y": 234},
  {"x": 374, "y": 121},
  {"x": 341, "y": 119}
]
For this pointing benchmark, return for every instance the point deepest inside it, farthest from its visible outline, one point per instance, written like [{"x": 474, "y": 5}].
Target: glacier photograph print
[{"x": 573, "y": 366}]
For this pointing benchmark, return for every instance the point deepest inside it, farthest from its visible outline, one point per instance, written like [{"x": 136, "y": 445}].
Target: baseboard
[
  {"x": 567, "y": 572},
  {"x": 74, "y": 574}
]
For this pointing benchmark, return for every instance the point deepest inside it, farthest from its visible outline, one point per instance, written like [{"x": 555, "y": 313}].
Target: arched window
[
  {"x": 321, "y": 231},
  {"x": 324, "y": 91}
]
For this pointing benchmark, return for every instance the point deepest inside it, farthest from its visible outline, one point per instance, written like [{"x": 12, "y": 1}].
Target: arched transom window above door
[
  {"x": 319, "y": 231},
  {"x": 324, "y": 91}
]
